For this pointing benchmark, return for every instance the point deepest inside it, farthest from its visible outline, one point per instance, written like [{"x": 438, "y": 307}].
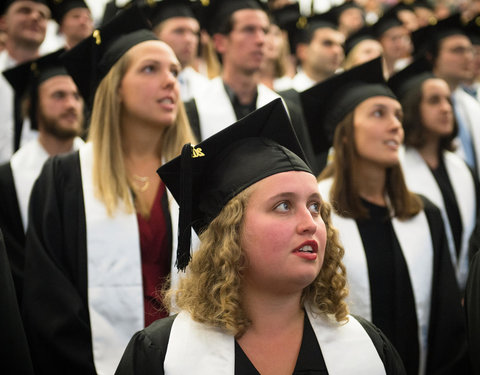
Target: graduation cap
[
  {"x": 427, "y": 38},
  {"x": 6, "y": 3},
  {"x": 60, "y": 8},
  {"x": 410, "y": 77},
  {"x": 472, "y": 30},
  {"x": 25, "y": 80},
  {"x": 160, "y": 11},
  {"x": 422, "y": 4},
  {"x": 364, "y": 33},
  {"x": 206, "y": 176},
  {"x": 339, "y": 9},
  {"x": 386, "y": 22},
  {"x": 216, "y": 13},
  {"x": 91, "y": 59},
  {"x": 286, "y": 16},
  {"x": 329, "y": 101}
]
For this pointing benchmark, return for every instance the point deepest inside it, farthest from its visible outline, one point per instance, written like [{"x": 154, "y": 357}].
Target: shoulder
[{"x": 158, "y": 333}]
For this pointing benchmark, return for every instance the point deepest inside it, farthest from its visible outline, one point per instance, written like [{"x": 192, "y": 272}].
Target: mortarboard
[
  {"x": 60, "y": 8},
  {"x": 27, "y": 77},
  {"x": 348, "y": 4},
  {"x": 6, "y": 3},
  {"x": 205, "y": 177},
  {"x": 411, "y": 76},
  {"x": 216, "y": 13},
  {"x": 329, "y": 101},
  {"x": 364, "y": 33},
  {"x": 387, "y": 21},
  {"x": 90, "y": 60},
  {"x": 472, "y": 30},
  {"x": 160, "y": 11},
  {"x": 285, "y": 16},
  {"x": 427, "y": 38},
  {"x": 422, "y": 4}
]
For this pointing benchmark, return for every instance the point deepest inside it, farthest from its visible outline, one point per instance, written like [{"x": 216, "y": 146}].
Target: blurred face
[
  {"x": 409, "y": 19},
  {"x": 324, "y": 55},
  {"x": 436, "y": 108},
  {"x": 274, "y": 43},
  {"x": 367, "y": 50},
  {"x": 182, "y": 34},
  {"x": 396, "y": 43},
  {"x": 283, "y": 235},
  {"x": 25, "y": 23},
  {"x": 351, "y": 20},
  {"x": 424, "y": 15},
  {"x": 149, "y": 91},
  {"x": 242, "y": 48},
  {"x": 77, "y": 24},
  {"x": 454, "y": 62},
  {"x": 378, "y": 131},
  {"x": 60, "y": 107}
]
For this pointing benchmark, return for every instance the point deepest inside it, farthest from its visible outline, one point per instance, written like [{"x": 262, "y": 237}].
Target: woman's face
[
  {"x": 436, "y": 108},
  {"x": 367, "y": 50},
  {"x": 377, "y": 123},
  {"x": 273, "y": 43},
  {"x": 149, "y": 91},
  {"x": 283, "y": 235}
]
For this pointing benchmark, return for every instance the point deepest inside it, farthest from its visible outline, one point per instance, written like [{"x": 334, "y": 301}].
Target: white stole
[
  {"x": 215, "y": 111},
  {"x": 195, "y": 348},
  {"x": 26, "y": 165},
  {"x": 415, "y": 241},
  {"x": 420, "y": 179}
]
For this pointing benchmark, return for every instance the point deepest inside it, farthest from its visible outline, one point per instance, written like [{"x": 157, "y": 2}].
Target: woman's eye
[
  {"x": 314, "y": 207},
  {"x": 377, "y": 113},
  {"x": 148, "y": 69},
  {"x": 282, "y": 207},
  {"x": 175, "y": 72}
]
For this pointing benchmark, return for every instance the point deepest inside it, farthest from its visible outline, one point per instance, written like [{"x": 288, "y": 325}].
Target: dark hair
[{"x": 415, "y": 134}]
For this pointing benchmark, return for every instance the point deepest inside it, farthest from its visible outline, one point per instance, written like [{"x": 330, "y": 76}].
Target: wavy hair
[
  {"x": 211, "y": 290},
  {"x": 109, "y": 173},
  {"x": 344, "y": 192}
]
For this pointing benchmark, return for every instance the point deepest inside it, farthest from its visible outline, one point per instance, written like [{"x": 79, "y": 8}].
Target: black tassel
[{"x": 185, "y": 215}]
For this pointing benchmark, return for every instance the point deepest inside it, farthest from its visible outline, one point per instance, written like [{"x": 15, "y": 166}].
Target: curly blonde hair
[{"x": 211, "y": 290}]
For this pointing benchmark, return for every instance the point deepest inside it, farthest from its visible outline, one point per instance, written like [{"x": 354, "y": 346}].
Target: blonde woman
[
  {"x": 264, "y": 294},
  {"x": 100, "y": 238}
]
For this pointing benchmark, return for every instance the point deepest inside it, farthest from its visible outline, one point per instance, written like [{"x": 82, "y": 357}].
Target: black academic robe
[
  {"x": 12, "y": 227},
  {"x": 14, "y": 354},
  {"x": 472, "y": 309},
  {"x": 146, "y": 352},
  {"x": 55, "y": 302}
]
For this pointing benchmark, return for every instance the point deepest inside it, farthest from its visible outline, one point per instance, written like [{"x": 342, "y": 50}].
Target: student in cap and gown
[
  {"x": 399, "y": 270},
  {"x": 55, "y": 111},
  {"x": 175, "y": 22},
  {"x": 472, "y": 306},
  {"x": 238, "y": 29},
  {"x": 100, "y": 239},
  {"x": 14, "y": 356},
  {"x": 266, "y": 242},
  {"x": 429, "y": 164}
]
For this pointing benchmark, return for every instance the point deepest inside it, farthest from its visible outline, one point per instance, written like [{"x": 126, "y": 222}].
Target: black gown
[
  {"x": 146, "y": 351},
  {"x": 472, "y": 309}
]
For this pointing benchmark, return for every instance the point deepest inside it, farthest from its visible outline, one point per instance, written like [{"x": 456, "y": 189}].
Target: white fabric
[
  {"x": 215, "y": 111},
  {"x": 420, "y": 179},
  {"x": 469, "y": 109},
  {"x": 192, "y": 83},
  {"x": 26, "y": 165},
  {"x": 6, "y": 109},
  {"x": 415, "y": 241},
  {"x": 210, "y": 351},
  {"x": 302, "y": 82}
]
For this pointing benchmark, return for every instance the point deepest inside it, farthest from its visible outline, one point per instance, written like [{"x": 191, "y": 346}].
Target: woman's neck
[
  {"x": 430, "y": 152},
  {"x": 371, "y": 183}
]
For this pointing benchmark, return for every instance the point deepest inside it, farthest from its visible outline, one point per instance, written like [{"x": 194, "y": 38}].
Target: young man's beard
[{"x": 51, "y": 126}]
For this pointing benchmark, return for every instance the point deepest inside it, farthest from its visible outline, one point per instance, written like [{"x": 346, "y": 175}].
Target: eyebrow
[{"x": 287, "y": 194}]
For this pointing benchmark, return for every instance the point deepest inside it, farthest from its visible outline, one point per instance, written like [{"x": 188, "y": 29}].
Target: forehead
[
  {"x": 77, "y": 11},
  {"x": 327, "y": 33},
  {"x": 176, "y": 22},
  {"x": 285, "y": 182},
  {"x": 455, "y": 40},
  {"x": 374, "y": 101},
  {"x": 18, "y": 4},
  {"x": 435, "y": 85},
  {"x": 152, "y": 49},
  {"x": 244, "y": 17},
  {"x": 60, "y": 82}
]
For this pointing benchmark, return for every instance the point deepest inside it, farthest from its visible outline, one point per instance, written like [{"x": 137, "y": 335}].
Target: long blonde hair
[
  {"x": 109, "y": 172},
  {"x": 211, "y": 290}
]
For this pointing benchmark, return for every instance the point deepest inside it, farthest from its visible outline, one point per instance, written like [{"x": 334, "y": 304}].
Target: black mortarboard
[
  {"x": 410, "y": 77},
  {"x": 339, "y": 9},
  {"x": 165, "y": 9},
  {"x": 285, "y": 16},
  {"x": 427, "y": 38},
  {"x": 26, "y": 77},
  {"x": 364, "y": 33},
  {"x": 6, "y": 3},
  {"x": 60, "y": 8},
  {"x": 387, "y": 21},
  {"x": 329, "y": 101},
  {"x": 205, "y": 177},
  {"x": 422, "y": 4},
  {"x": 473, "y": 30},
  {"x": 90, "y": 60},
  {"x": 217, "y": 12}
]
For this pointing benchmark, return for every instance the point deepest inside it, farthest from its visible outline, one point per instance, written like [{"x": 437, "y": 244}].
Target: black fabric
[
  {"x": 241, "y": 110},
  {"x": 472, "y": 309},
  {"x": 12, "y": 227},
  {"x": 447, "y": 343},
  {"x": 450, "y": 200},
  {"x": 309, "y": 361},
  {"x": 391, "y": 293},
  {"x": 14, "y": 353}
]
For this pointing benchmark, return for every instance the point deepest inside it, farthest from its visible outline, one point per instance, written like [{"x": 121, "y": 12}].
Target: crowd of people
[{"x": 240, "y": 187}]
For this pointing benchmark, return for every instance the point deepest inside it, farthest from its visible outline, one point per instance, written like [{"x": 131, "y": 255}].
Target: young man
[
  {"x": 25, "y": 23},
  {"x": 238, "y": 29},
  {"x": 56, "y": 111}
]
